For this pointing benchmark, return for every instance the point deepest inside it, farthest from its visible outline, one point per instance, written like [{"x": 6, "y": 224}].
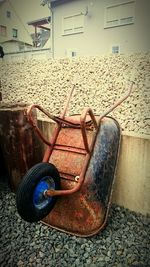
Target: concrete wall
[
  {"x": 10, "y": 46},
  {"x": 132, "y": 186},
  {"x": 132, "y": 182},
  {"x": 96, "y": 40},
  {"x": 31, "y": 54}
]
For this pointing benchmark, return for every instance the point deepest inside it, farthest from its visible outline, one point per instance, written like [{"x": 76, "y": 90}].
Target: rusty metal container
[{"x": 20, "y": 147}]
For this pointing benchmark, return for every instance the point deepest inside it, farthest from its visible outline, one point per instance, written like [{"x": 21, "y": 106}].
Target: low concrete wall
[
  {"x": 132, "y": 183},
  {"x": 31, "y": 54}
]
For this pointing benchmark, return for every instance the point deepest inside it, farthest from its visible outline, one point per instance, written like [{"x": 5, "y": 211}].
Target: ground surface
[{"x": 124, "y": 242}]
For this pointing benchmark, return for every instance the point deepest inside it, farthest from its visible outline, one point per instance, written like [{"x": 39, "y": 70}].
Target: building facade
[
  {"x": 15, "y": 33},
  {"x": 96, "y": 27}
]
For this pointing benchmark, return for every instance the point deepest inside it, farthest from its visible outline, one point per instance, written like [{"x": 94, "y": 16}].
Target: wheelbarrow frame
[
  {"x": 74, "y": 193},
  {"x": 62, "y": 120}
]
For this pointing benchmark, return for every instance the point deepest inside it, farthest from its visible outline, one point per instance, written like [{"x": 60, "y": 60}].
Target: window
[
  {"x": 8, "y": 14},
  {"x": 14, "y": 33},
  {"x": 3, "y": 30},
  {"x": 73, "y": 24},
  {"x": 118, "y": 15},
  {"x": 115, "y": 49},
  {"x": 71, "y": 53}
]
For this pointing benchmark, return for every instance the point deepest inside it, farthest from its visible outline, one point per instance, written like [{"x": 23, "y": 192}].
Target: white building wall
[
  {"x": 21, "y": 13},
  {"x": 13, "y": 23},
  {"x": 10, "y": 46},
  {"x": 96, "y": 40}
]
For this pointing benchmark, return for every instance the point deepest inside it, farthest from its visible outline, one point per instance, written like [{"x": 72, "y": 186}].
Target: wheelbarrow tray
[{"x": 84, "y": 213}]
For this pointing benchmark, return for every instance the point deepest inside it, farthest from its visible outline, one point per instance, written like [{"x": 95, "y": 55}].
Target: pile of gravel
[
  {"x": 124, "y": 242},
  {"x": 101, "y": 80}
]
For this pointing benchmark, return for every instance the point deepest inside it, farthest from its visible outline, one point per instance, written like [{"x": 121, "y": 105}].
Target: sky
[{"x": 30, "y": 9}]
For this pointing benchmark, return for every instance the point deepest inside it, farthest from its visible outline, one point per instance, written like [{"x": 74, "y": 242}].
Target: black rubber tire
[{"x": 24, "y": 194}]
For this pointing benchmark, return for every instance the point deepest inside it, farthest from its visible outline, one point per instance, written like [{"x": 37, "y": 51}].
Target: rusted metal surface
[
  {"x": 83, "y": 127},
  {"x": 20, "y": 147},
  {"x": 77, "y": 161},
  {"x": 87, "y": 177},
  {"x": 84, "y": 212},
  {"x": 49, "y": 150},
  {"x": 70, "y": 160},
  {"x": 75, "y": 214},
  {"x": 88, "y": 149}
]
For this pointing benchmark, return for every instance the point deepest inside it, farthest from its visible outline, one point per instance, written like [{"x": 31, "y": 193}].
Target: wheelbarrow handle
[
  {"x": 62, "y": 115},
  {"x": 33, "y": 122},
  {"x": 52, "y": 117},
  {"x": 117, "y": 103},
  {"x": 85, "y": 112}
]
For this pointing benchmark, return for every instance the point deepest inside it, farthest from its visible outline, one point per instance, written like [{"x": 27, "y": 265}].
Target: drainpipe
[
  {"x": 52, "y": 32},
  {"x": 48, "y": 3},
  {"x": 35, "y": 36},
  {"x": 52, "y": 28}
]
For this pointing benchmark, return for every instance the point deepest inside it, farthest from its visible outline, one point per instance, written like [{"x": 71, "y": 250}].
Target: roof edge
[
  {"x": 55, "y": 3},
  {"x": 41, "y": 21}
]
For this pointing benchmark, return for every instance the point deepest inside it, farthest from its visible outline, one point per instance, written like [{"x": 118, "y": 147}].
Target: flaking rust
[
  {"x": 84, "y": 146},
  {"x": 17, "y": 140}
]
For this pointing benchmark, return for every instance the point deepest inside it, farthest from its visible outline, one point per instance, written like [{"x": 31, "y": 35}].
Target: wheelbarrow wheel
[{"x": 32, "y": 204}]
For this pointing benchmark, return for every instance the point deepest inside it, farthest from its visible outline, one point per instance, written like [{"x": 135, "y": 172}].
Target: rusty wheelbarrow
[{"x": 71, "y": 189}]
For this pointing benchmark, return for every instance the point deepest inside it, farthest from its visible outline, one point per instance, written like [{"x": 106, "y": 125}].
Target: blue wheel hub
[{"x": 40, "y": 201}]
